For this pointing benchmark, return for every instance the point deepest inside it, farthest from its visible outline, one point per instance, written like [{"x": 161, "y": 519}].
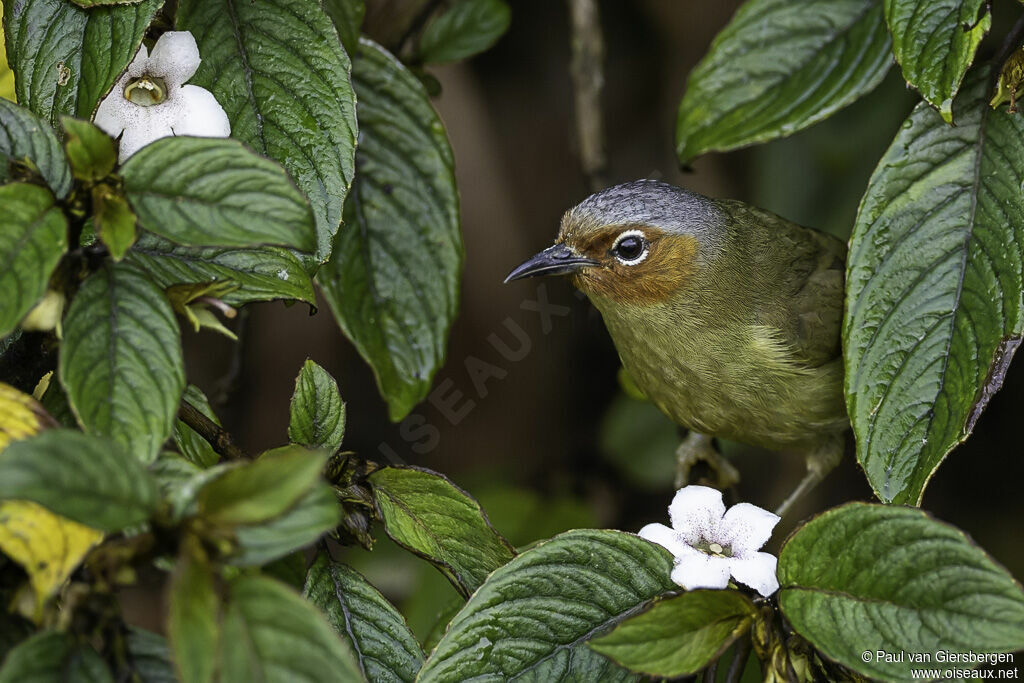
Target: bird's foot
[{"x": 697, "y": 448}]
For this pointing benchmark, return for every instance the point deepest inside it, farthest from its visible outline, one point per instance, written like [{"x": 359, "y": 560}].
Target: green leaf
[
  {"x": 88, "y": 479},
  {"x": 54, "y": 657},
  {"x": 90, "y": 151},
  {"x": 576, "y": 585},
  {"x": 25, "y": 137},
  {"x": 263, "y": 273},
  {"x": 65, "y": 58},
  {"x": 150, "y": 656},
  {"x": 277, "y": 637},
  {"x": 375, "y": 630},
  {"x": 195, "y": 448},
  {"x": 466, "y": 28},
  {"x": 114, "y": 221},
  {"x": 277, "y": 68},
  {"x": 429, "y": 515},
  {"x": 193, "y": 620},
  {"x": 779, "y": 67},
  {"x": 934, "y": 42},
  {"x": 181, "y": 481},
  {"x": 261, "y": 490},
  {"x": 33, "y": 237},
  {"x": 120, "y": 339},
  {"x": 215, "y": 192},
  {"x": 934, "y": 289},
  {"x": 863, "y": 578},
  {"x": 347, "y": 16},
  {"x": 316, "y": 513},
  {"x": 317, "y": 411},
  {"x": 393, "y": 280},
  {"x": 681, "y": 635}
]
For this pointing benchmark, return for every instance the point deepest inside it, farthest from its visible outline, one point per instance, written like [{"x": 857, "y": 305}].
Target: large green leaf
[
  {"x": 867, "y": 578},
  {"x": 463, "y": 30},
  {"x": 33, "y": 237},
  {"x": 258, "y": 491},
  {"x": 263, "y": 273},
  {"x": 277, "y": 68},
  {"x": 149, "y": 656},
  {"x": 427, "y": 514},
  {"x": 26, "y": 137},
  {"x": 934, "y": 42},
  {"x": 681, "y": 635},
  {"x": 934, "y": 304},
  {"x": 215, "y": 192},
  {"x": 780, "y": 66},
  {"x": 532, "y": 617},
  {"x": 66, "y": 58},
  {"x": 193, "y": 618},
  {"x": 88, "y": 479},
  {"x": 375, "y": 630},
  {"x": 317, "y": 414},
  {"x": 54, "y": 657},
  {"x": 121, "y": 361},
  {"x": 277, "y": 637},
  {"x": 299, "y": 526},
  {"x": 393, "y": 280}
]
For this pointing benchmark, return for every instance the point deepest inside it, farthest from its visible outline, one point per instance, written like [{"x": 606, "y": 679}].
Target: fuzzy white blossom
[
  {"x": 151, "y": 101},
  {"x": 710, "y": 544}
]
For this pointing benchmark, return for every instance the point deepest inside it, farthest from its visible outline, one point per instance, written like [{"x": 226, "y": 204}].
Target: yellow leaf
[
  {"x": 20, "y": 415},
  {"x": 6, "y": 75},
  {"x": 48, "y": 546}
]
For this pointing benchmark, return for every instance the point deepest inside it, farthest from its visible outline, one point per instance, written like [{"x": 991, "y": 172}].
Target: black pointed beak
[{"x": 555, "y": 260}]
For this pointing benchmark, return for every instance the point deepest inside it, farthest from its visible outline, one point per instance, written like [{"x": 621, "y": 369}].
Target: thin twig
[
  {"x": 710, "y": 672},
  {"x": 1010, "y": 43},
  {"x": 219, "y": 439},
  {"x": 588, "y": 80},
  {"x": 739, "y": 660},
  {"x": 228, "y": 384}
]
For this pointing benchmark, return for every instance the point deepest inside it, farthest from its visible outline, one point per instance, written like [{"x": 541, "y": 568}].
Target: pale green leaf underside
[
  {"x": 393, "y": 280},
  {"x": 375, "y": 630},
  {"x": 33, "y": 237},
  {"x": 427, "y": 514},
  {"x": 934, "y": 42},
  {"x": 532, "y": 617},
  {"x": 65, "y": 58},
  {"x": 872, "y": 577},
  {"x": 780, "y": 66},
  {"x": 84, "y": 478},
  {"x": 278, "y": 69},
  {"x": 301, "y": 525},
  {"x": 211, "y": 192},
  {"x": 26, "y": 137},
  {"x": 934, "y": 302},
  {"x": 121, "y": 362}
]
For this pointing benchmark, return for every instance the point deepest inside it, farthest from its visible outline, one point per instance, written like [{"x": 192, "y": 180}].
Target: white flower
[
  {"x": 150, "y": 100},
  {"x": 709, "y": 543}
]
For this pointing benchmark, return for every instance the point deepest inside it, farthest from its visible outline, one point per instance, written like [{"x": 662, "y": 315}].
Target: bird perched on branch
[{"x": 727, "y": 317}]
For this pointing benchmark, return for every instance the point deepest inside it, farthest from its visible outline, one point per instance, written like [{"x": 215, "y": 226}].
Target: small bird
[{"x": 725, "y": 316}]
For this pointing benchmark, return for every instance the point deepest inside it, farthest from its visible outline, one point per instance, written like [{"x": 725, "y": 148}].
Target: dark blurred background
[{"x": 549, "y": 442}]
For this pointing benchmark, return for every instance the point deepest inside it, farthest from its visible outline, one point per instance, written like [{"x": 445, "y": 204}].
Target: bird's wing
[{"x": 806, "y": 305}]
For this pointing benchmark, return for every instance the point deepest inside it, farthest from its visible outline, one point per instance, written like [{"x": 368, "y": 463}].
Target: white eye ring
[{"x": 643, "y": 240}]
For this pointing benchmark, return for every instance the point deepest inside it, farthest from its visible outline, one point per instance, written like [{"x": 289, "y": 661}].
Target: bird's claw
[{"x": 696, "y": 448}]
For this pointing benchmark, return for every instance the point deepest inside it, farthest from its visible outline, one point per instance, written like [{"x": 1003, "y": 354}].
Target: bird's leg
[
  {"x": 820, "y": 462},
  {"x": 697, "y": 447}
]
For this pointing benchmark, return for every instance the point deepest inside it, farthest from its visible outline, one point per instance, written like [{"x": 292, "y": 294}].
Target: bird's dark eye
[{"x": 631, "y": 248}]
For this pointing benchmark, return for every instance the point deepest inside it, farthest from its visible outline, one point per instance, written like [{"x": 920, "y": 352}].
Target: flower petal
[
  {"x": 664, "y": 536},
  {"x": 696, "y": 513},
  {"x": 746, "y": 528},
  {"x": 756, "y": 571},
  {"x": 137, "y": 67},
  {"x": 697, "y": 570},
  {"x": 199, "y": 113},
  {"x": 175, "y": 58},
  {"x": 110, "y": 116},
  {"x": 138, "y": 136}
]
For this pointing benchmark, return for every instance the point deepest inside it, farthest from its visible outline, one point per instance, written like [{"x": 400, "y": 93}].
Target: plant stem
[
  {"x": 739, "y": 660},
  {"x": 219, "y": 439},
  {"x": 588, "y": 80}
]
